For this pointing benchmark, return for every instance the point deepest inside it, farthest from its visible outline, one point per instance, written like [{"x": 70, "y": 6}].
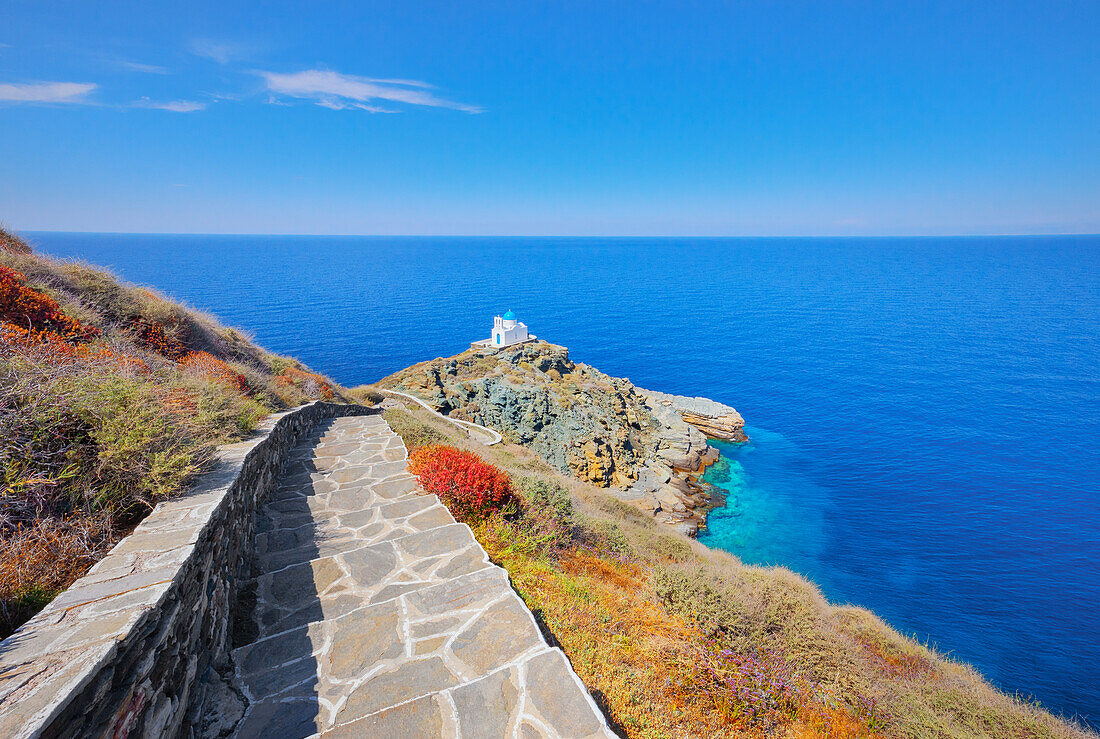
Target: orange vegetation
[
  {"x": 210, "y": 366},
  {"x": 152, "y": 335},
  {"x": 39, "y": 561},
  {"x": 31, "y": 309}
]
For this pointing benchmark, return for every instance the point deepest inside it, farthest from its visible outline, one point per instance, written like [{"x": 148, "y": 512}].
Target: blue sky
[{"x": 602, "y": 118}]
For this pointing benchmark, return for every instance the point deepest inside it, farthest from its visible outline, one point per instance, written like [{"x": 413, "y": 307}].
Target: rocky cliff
[{"x": 601, "y": 429}]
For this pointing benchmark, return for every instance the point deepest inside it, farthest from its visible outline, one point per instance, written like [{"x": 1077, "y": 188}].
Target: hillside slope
[
  {"x": 678, "y": 640},
  {"x": 112, "y": 398}
]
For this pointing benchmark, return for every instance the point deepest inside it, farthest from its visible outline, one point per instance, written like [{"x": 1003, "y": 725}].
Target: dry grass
[
  {"x": 12, "y": 242},
  {"x": 365, "y": 395},
  {"x": 623, "y": 646},
  {"x": 416, "y": 434},
  {"x": 42, "y": 559},
  {"x": 675, "y": 639}
]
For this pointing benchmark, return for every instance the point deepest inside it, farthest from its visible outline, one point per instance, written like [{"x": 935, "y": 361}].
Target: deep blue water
[{"x": 924, "y": 413}]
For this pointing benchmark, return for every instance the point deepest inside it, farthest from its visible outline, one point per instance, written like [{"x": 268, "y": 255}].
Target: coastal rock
[
  {"x": 688, "y": 528},
  {"x": 669, "y": 500},
  {"x": 679, "y": 445},
  {"x": 595, "y": 463}
]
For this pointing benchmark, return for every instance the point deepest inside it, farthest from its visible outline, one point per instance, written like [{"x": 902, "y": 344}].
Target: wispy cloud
[
  {"x": 47, "y": 92},
  {"x": 139, "y": 67},
  {"x": 221, "y": 52},
  {"x": 347, "y": 105},
  {"x": 176, "y": 106},
  {"x": 343, "y": 91}
]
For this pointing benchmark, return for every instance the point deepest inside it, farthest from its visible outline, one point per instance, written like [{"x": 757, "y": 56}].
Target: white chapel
[{"x": 506, "y": 332}]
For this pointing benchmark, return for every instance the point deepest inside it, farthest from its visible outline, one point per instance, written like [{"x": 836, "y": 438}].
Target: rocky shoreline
[
  {"x": 646, "y": 447},
  {"x": 669, "y": 488}
]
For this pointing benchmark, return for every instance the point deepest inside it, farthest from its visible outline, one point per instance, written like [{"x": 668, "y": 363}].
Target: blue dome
[{"x": 509, "y": 316}]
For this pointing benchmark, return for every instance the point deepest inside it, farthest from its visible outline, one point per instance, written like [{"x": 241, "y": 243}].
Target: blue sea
[{"x": 924, "y": 412}]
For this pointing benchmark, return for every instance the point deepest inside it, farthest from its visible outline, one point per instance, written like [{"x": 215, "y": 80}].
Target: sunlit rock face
[{"x": 715, "y": 420}]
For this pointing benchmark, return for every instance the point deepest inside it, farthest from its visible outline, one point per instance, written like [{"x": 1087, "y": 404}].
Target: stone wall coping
[{"x": 55, "y": 655}]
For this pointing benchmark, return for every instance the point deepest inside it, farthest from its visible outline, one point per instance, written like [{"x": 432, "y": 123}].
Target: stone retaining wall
[{"x": 124, "y": 651}]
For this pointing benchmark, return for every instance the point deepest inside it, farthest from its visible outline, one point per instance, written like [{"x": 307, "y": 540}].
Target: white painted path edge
[{"x": 467, "y": 426}]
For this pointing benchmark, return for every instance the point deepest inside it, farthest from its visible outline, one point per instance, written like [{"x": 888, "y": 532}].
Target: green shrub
[
  {"x": 547, "y": 516},
  {"x": 666, "y": 547},
  {"x": 141, "y": 454},
  {"x": 280, "y": 364},
  {"x": 605, "y": 537},
  {"x": 413, "y": 432},
  {"x": 546, "y": 495},
  {"x": 108, "y": 440},
  {"x": 694, "y": 595}
]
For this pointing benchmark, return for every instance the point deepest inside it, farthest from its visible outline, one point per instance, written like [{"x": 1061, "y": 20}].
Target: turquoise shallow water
[
  {"x": 773, "y": 514},
  {"x": 924, "y": 412}
]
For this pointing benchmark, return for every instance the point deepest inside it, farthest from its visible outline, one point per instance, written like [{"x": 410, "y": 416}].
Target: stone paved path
[{"x": 378, "y": 615}]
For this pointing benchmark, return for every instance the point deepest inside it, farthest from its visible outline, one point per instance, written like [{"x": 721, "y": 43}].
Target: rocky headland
[{"x": 646, "y": 447}]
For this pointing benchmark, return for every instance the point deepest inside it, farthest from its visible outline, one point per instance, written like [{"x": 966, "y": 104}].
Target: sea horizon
[{"x": 31, "y": 232}]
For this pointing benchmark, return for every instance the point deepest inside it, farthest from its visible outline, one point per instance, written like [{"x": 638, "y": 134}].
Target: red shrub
[
  {"x": 471, "y": 488},
  {"x": 210, "y": 366},
  {"x": 32, "y": 309}
]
